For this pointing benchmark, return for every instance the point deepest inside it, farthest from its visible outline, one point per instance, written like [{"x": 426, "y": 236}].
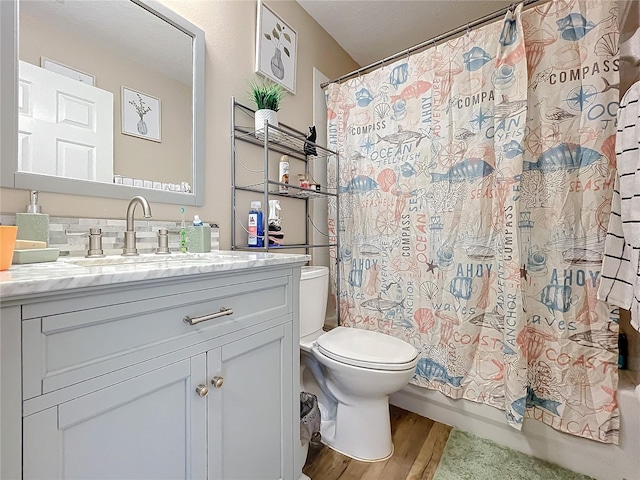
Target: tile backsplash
[{"x": 112, "y": 234}]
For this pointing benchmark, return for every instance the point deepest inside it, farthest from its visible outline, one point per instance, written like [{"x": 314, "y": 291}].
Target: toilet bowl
[{"x": 352, "y": 372}]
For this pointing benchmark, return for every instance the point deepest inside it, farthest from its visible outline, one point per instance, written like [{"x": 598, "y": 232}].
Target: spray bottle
[{"x": 276, "y": 236}]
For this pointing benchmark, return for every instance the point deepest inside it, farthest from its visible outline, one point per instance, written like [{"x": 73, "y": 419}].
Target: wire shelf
[
  {"x": 282, "y": 139},
  {"x": 294, "y": 191}
]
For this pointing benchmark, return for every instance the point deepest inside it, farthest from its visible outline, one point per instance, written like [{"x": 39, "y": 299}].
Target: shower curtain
[{"x": 475, "y": 182}]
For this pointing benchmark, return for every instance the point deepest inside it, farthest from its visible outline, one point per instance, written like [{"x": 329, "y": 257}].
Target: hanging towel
[{"x": 620, "y": 276}]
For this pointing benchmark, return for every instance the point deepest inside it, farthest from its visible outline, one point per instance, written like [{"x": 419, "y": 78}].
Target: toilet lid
[{"x": 367, "y": 349}]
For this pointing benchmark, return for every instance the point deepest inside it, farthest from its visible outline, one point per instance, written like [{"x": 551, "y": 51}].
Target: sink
[{"x": 153, "y": 259}]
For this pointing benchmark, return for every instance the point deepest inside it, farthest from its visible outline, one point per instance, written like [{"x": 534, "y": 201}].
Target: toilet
[{"x": 352, "y": 372}]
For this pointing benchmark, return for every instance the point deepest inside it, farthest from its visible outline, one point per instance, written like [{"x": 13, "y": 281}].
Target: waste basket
[{"x": 309, "y": 418}]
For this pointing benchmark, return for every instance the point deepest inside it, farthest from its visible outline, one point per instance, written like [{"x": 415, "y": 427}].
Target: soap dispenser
[{"x": 33, "y": 225}]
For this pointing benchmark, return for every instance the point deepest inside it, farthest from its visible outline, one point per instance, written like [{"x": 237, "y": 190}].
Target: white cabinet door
[
  {"x": 251, "y": 413},
  {"x": 150, "y": 427}
]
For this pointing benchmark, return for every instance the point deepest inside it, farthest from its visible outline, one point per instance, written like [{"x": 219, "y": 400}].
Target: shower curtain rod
[{"x": 432, "y": 41}]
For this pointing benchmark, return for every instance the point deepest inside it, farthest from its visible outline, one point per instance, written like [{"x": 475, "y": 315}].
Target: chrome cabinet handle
[
  {"x": 223, "y": 312},
  {"x": 95, "y": 241},
  {"x": 202, "y": 390},
  {"x": 217, "y": 382}
]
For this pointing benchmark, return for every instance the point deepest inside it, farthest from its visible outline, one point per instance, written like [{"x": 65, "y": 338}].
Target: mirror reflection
[{"x": 105, "y": 94}]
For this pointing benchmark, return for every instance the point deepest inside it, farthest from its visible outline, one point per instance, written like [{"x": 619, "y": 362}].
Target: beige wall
[
  {"x": 629, "y": 44},
  {"x": 229, "y": 27},
  {"x": 168, "y": 161},
  {"x": 629, "y": 74}
]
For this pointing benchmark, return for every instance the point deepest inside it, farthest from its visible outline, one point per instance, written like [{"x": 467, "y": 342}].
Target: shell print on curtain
[
  {"x": 571, "y": 339},
  {"x": 476, "y": 179}
]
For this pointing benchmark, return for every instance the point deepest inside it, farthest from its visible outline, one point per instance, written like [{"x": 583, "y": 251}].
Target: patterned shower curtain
[{"x": 475, "y": 180}]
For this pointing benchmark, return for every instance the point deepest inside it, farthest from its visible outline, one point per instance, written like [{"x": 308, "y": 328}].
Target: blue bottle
[{"x": 255, "y": 226}]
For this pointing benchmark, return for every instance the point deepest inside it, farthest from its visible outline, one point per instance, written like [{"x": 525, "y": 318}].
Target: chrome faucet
[{"x": 130, "y": 235}]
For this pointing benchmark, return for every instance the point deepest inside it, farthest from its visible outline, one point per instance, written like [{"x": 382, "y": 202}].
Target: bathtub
[{"x": 602, "y": 461}]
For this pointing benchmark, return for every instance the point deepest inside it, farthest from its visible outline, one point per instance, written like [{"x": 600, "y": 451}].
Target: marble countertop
[{"x": 71, "y": 273}]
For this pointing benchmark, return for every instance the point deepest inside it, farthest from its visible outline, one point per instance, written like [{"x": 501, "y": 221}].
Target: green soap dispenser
[{"x": 33, "y": 225}]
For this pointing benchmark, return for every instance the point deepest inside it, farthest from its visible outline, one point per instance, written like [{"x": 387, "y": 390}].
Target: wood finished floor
[{"x": 418, "y": 443}]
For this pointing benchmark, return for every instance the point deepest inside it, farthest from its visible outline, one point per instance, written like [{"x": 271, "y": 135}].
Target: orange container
[{"x": 8, "y": 236}]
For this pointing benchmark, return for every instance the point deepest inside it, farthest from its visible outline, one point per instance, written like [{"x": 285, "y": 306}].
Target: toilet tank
[{"x": 314, "y": 288}]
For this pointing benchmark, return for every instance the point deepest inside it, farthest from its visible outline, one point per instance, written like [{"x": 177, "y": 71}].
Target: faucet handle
[
  {"x": 95, "y": 241},
  {"x": 163, "y": 242}
]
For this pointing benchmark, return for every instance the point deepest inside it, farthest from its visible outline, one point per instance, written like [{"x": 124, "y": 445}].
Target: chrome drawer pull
[{"x": 223, "y": 311}]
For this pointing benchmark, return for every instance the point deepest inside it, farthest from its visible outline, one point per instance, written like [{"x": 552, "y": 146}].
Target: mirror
[{"x": 104, "y": 99}]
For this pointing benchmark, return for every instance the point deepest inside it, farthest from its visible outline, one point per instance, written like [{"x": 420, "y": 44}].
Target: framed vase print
[
  {"x": 141, "y": 116},
  {"x": 276, "y": 48}
]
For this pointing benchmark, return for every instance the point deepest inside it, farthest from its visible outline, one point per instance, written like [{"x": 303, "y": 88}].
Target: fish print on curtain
[{"x": 475, "y": 180}]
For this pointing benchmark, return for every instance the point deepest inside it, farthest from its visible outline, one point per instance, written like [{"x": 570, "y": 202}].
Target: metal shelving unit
[
  {"x": 287, "y": 141},
  {"x": 284, "y": 140}
]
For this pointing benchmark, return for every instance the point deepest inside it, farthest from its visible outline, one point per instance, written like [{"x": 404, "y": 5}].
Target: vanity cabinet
[
  {"x": 151, "y": 426},
  {"x": 246, "y": 417},
  {"x": 117, "y": 385}
]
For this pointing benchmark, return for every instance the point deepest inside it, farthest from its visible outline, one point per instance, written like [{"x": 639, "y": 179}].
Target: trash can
[{"x": 309, "y": 423}]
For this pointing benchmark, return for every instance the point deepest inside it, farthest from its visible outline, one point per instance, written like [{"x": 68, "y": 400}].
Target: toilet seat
[{"x": 367, "y": 349}]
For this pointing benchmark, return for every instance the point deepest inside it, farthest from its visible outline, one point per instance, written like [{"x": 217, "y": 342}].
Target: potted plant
[{"x": 267, "y": 97}]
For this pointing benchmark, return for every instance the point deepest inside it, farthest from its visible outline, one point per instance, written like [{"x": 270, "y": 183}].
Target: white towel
[{"x": 620, "y": 276}]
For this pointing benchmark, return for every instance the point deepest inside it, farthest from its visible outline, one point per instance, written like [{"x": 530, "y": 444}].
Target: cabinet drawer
[{"x": 67, "y": 348}]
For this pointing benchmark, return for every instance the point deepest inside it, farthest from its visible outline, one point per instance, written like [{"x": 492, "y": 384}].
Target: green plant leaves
[{"x": 266, "y": 95}]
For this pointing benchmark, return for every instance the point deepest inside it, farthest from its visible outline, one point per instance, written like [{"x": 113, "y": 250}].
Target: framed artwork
[
  {"x": 276, "y": 48},
  {"x": 140, "y": 115},
  {"x": 67, "y": 71}
]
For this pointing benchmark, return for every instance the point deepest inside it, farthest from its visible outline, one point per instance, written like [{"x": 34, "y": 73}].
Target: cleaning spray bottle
[
  {"x": 255, "y": 226},
  {"x": 276, "y": 236}
]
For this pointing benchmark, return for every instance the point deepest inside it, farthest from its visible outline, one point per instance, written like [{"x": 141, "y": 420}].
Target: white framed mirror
[{"x": 99, "y": 99}]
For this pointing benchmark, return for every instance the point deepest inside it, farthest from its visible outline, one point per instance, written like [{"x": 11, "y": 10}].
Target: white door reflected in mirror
[{"x": 65, "y": 127}]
